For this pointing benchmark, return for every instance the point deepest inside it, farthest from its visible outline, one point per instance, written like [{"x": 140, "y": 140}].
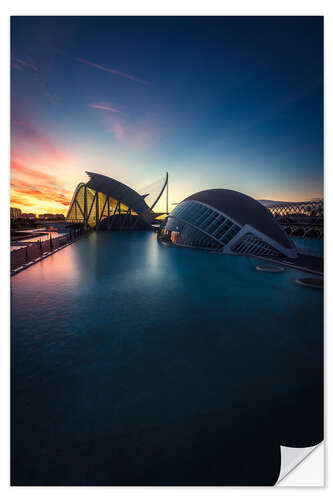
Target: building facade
[
  {"x": 230, "y": 222},
  {"x": 105, "y": 203},
  {"x": 51, "y": 217},
  {"x": 28, "y": 216},
  {"x": 15, "y": 213}
]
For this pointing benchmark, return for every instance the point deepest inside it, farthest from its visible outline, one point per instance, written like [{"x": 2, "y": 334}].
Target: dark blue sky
[{"x": 230, "y": 102}]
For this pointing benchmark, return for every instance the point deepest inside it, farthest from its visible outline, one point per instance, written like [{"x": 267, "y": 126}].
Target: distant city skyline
[{"x": 229, "y": 102}]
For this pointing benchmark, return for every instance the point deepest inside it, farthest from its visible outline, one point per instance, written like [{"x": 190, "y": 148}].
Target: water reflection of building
[
  {"x": 105, "y": 203},
  {"x": 227, "y": 221}
]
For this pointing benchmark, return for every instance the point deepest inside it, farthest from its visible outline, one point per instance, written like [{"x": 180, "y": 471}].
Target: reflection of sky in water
[
  {"x": 136, "y": 363},
  {"x": 42, "y": 237}
]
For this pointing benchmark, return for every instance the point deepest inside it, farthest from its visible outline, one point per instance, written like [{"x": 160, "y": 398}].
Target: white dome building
[{"x": 230, "y": 222}]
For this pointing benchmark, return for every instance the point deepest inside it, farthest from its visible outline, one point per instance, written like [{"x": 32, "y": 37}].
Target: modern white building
[
  {"x": 230, "y": 222},
  {"x": 106, "y": 202}
]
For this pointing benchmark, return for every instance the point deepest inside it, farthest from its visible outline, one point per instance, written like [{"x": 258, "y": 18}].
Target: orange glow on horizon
[
  {"x": 44, "y": 174},
  {"x": 34, "y": 191}
]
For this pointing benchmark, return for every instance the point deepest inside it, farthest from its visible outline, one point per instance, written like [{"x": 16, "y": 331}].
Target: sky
[{"x": 218, "y": 102}]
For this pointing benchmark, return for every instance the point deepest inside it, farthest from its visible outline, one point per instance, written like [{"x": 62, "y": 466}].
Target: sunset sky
[{"x": 223, "y": 102}]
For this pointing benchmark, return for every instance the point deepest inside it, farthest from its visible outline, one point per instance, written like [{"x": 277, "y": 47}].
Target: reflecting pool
[
  {"x": 137, "y": 363},
  {"x": 311, "y": 246}
]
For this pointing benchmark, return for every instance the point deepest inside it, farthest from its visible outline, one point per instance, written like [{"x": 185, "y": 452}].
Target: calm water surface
[
  {"x": 137, "y": 363},
  {"x": 312, "y": 246}
]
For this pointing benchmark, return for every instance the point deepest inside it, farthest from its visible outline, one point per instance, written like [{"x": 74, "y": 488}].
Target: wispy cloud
[
  {"x": 24, "y": 193},
  {"x": 17, "y": 66},
  {"x": 119, "y": 132},
  {"x": 51, "y": 96},
  {"x": 39, "y": 168},
  {"x": 26, "y": 64},
  {"x": 111, "y": 70},
  {"x": 37, "y": 140},
  {"x": 20, "y": 168},
  {"x": 137, "y": 137},
  {"x": 105, "y": 107},
  {"x": 31, "y": 187}
]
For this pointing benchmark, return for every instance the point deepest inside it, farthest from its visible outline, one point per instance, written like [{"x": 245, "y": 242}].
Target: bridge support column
[
  {"x": 108, "y": 213},
  {"x": 97, "y": 211},
  {"x": 85, "y": 210}
]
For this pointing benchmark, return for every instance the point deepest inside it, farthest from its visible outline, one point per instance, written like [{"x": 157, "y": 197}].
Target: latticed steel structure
[
  {"x": 106, "y": 203},
  {"x": 302, "y": 208},
  {"x": 304, "y": 219},
  {"x": 228, "y": 222}
]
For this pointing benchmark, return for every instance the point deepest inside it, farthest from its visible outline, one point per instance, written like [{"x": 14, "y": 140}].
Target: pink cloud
[
  {"x": 20, "y": 168},
  {"x": 118, "y": 130},
  {"x": 40, "y": 167},
  {"x": 104, "y": 107},
  {"x": 36, "y": 140},
  {"x": 17, "y": 66},
  {"x": 137, "y": 137},
  {"x": 29, "y": 182},
  {"x": 26, "y": 64},
  {"x": 110, "y": 70}
]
